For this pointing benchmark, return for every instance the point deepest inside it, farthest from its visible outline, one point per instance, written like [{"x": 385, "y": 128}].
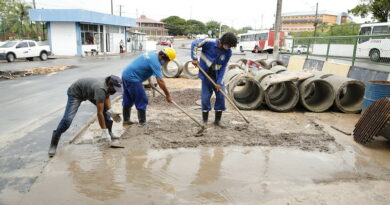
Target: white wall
[
  {"x": 116, "y": 39},
  {"x": 63, "y": 38},
  {"x": 341, "y": 50}
]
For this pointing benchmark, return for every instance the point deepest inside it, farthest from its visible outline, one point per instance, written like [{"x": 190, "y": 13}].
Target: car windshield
[{"x": 8, "y": 44}]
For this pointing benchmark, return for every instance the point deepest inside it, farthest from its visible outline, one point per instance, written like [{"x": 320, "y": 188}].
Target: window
[
  {"x": 380, "y": 30},
  {"x": 22, "y": 45},
  {"x": 365, "y": 31},
  {"x": 31, "y": 44}
]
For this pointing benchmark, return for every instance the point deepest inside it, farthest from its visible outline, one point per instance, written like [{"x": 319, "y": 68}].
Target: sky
[{"x": 255, "y": 13}]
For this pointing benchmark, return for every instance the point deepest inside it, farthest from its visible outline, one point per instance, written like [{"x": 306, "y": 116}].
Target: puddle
[{"x": 221, "y": 175}]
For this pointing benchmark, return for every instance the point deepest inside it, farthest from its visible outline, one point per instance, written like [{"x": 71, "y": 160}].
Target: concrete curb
[{"x": 89, "y": 122}]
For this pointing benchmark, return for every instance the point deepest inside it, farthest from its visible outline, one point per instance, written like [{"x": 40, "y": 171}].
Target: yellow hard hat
[{"x": 170, "y": 52}]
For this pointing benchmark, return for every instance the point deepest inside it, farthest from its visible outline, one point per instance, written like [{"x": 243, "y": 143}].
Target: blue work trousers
[
  {"x": 71, "y": 108},
  {"x": 134, "y": 94},
  {"x": 207, "y": 91}
]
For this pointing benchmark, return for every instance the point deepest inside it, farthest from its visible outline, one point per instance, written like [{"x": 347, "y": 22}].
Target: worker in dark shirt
[{"x": 98, "y": 92}]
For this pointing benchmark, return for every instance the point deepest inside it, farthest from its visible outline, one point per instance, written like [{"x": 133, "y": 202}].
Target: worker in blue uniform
[
  {"x": 213, "y": 60},
  {"x": 139, "y": 70}
]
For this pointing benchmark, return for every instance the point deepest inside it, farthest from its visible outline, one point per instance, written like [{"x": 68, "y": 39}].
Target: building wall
[
  {"x": 63, "y": 38},
  {"x": 295, "y": 26}
]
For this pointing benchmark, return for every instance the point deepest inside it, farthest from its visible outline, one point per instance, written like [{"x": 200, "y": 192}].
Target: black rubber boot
[
  {"x": 126, "y": 111},
  {"x": 218, "y": 116},
  {"x": 109, "y": 124},
  {"x": 141, "y": 117},
  {"x": 205, "y": 118},
  {"x": 55, "y": 138}
]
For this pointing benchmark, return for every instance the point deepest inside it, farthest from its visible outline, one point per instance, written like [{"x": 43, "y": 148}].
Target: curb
[{"x": 89, "y": 122}]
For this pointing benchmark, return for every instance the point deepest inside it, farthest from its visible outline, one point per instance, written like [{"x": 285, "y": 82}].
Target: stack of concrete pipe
[
  {"x": 281, "y": 89},
  {"x": 173, "y": 69}
]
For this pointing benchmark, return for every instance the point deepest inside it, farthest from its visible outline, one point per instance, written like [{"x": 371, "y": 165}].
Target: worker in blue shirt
[
  {"x": 139, "y": 70},
  {"x": 213, "y": 60}
]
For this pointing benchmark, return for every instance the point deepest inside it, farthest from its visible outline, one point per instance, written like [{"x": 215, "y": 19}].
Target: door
[
  {"x": 22, "y": 50},
  {"x": 33, "y": 50}
]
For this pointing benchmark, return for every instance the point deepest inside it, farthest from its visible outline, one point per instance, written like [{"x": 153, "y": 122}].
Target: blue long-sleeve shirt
[{"x": 211, "y": 56}]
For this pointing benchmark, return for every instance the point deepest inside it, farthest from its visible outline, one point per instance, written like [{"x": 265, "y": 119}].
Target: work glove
[
  {"x": 115, "y": 115},
  {"x": 106, "y": 135}
]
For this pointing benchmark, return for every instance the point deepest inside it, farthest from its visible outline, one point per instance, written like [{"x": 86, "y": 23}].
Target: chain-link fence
[{"x": 363, "y": 50}]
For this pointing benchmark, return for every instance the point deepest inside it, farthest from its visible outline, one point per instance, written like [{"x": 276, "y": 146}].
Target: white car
[
  {"x": 300, "y": 49},
  {"x": 27, "y": 49}
]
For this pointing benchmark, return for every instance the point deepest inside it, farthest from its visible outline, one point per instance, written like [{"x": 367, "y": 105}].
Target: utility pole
[
  {"x": 36, "y": 23},
  {"x": 112, "y": 7},
  {"x": 120, "y": 10},
  {"x": 316, "y": 21},
  {"x": 277, "y": 28}
]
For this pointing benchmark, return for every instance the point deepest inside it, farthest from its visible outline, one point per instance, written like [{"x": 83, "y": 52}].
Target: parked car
[
  {"x": 27, "y": 49},
  {"x": 300, "y": 49}
]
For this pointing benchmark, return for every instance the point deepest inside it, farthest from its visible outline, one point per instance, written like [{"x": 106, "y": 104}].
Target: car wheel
[
  {"x": 30, "y": 59},
  {"x": 43, "y": 56},
  {"x": 10, "y": 57},
  {"x": 242, "y": 51},
  {"x": 375, "y": 55}
]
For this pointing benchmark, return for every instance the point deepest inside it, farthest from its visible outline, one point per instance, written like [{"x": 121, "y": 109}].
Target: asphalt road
[{"x": 31, "y": 107}]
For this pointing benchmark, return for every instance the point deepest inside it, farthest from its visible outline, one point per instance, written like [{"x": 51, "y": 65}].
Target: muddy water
[{"x": 86, "y": 174}]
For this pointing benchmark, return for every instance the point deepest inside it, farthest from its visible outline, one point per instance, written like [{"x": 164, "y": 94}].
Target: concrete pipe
[
  {"x": 282, "y": 97},
  {"x": 349, "y": 93},
  {"x": 273, "y": 62},
  {"x": 278, "y": 69},
  {"x": 316, "y": 94},
  {"x": 242, "y": 62},
  {"x": 231, "y": 75},
  {"x": 233, "y": 66},
  {"x": 190, "y": 71},
  {"x": 245, "y": 92},
  {"x": 173, "y": 69},
  {"x": 263, "y": 63}
]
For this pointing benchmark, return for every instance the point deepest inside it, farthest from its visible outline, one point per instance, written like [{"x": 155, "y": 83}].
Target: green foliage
[
  {"x": 14, "y": 21},
  {"x": 245, "y": 29},
  {"x": 195, "y": 27},
  {"x": 213, "y": 26},
  {"x": 175, "y": 25},
  {"x": 379, "y": 8}
]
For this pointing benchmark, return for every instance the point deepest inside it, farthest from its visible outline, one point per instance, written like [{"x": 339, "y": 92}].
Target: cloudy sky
[{"x": 255, "y": 13}]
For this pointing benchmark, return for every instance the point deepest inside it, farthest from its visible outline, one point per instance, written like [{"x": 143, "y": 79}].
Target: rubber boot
[
  {"x": 109, "y": 124},
  {"x": 55, "y": 138},
  {"x": 205, "y": 118},
  {"x": 218, "y": 116},
  {"x": 141, "y": 117},
  {"x": 126, "y": 111}
]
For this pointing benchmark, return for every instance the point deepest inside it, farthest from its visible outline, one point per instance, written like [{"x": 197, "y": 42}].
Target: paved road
[{"x": 31, "y": 108}]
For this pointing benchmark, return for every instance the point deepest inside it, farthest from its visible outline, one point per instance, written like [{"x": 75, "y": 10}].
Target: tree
[
  {"x": 245, "y": 29},
  {"x": 213, "y": 26},
  {"x": 175, "y": 25},
  {"x": 379, "y": 8},
  {"x": 195, "y": 27}
]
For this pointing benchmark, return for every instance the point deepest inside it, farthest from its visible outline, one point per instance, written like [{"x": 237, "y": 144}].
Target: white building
[{"x": 74, "y": 32}]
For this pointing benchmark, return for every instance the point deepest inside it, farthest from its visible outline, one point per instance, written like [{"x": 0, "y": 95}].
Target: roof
[
  {"x": 144, "y": 19},
  {"x": 79, "y": 15},
  {"x": 313, "y": 13},
  {"x": 376, "y": 24}
]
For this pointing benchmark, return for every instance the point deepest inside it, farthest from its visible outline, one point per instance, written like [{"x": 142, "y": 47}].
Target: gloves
[
  {"x": 115, "y": 115},
  {"x": 106, "y": 135}
]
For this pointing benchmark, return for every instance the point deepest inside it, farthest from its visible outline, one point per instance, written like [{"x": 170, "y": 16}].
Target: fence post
[
  {"x": 327, "y": 50},
  {"x": 292, "y": 47},
  {"x": 308, "y": 49},
  {"x": 354, "y": 51}
]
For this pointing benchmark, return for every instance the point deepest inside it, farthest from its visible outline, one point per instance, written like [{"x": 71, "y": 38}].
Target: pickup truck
[{"x": 27, "y": 49}]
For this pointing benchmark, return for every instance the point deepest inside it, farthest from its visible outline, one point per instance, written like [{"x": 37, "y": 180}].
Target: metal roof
[
  {"x": 144, "y": 19},
  {"x": 79, "y": 15}
]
